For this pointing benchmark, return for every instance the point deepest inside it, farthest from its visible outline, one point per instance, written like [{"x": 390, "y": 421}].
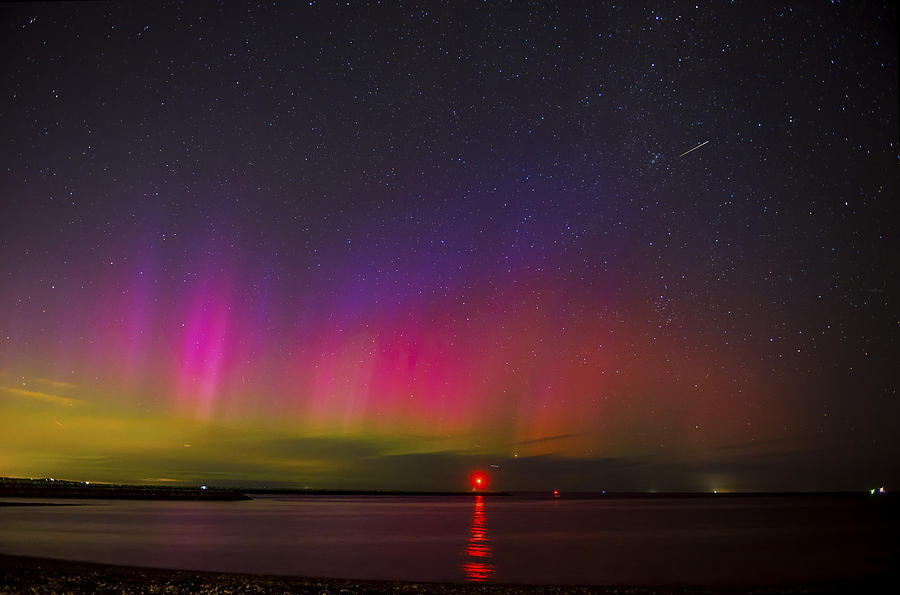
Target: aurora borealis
[{"x": 379, "y": 246}]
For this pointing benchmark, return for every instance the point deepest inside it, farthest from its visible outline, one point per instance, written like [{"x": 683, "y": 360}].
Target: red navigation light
[
  {"x": 556, "y": 493},
  {"x": 479, "y": 481}
]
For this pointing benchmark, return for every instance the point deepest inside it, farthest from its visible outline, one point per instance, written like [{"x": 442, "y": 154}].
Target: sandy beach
[{"x": 22, "y": 574}]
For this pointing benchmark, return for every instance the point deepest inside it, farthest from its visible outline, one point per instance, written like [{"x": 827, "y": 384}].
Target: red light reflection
[{"x": 478, "y": 566}]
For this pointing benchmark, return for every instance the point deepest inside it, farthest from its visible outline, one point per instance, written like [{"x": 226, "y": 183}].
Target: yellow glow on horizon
[{"x": 40, "y": 396}]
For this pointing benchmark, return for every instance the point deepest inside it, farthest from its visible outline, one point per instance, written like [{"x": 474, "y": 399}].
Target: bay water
[{"x": 758, "y": 540}]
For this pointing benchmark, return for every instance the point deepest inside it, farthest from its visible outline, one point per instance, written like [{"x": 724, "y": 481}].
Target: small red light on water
[{"x": 556, "y": 493}]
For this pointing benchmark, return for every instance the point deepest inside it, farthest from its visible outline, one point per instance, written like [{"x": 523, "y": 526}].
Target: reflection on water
[
  {"x": 477, "y": 565},
  {"x": 689, "y": 541}
]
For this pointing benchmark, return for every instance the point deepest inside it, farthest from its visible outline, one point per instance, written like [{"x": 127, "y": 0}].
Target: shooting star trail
[{"x": 694, "y": 149}]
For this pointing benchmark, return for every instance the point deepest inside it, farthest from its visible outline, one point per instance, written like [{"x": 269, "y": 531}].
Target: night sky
[{"x": 383, "y": 245}]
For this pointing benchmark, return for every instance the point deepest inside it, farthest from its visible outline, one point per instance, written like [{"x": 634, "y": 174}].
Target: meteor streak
[{"x": 694, "y": 149}]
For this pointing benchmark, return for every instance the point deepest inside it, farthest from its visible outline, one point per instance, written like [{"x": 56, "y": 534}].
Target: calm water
[{"x": 606, "y": 541}]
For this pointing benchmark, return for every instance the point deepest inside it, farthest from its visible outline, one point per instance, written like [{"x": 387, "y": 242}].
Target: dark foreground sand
[{"x": 20, "y": 574}]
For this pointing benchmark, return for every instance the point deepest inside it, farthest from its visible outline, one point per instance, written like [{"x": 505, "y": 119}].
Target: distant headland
[{"x": 48, "y": 487}]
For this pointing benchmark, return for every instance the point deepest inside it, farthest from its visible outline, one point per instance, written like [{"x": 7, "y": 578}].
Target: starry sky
[{"x": 380, "y": 245}]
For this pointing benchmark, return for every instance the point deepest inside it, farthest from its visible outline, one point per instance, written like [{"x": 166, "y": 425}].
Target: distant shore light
[{"x": 479, "y": 480}]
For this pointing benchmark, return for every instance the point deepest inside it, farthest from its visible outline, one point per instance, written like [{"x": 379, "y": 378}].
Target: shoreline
[
  {"x": 17, "y": 487},
  {"x": 11, "y": 487},
  {"x": 19, "y": 574}
]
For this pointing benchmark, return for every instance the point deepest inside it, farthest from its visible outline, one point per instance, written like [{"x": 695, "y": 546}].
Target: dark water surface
[{"x": 745, "y": 540}]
